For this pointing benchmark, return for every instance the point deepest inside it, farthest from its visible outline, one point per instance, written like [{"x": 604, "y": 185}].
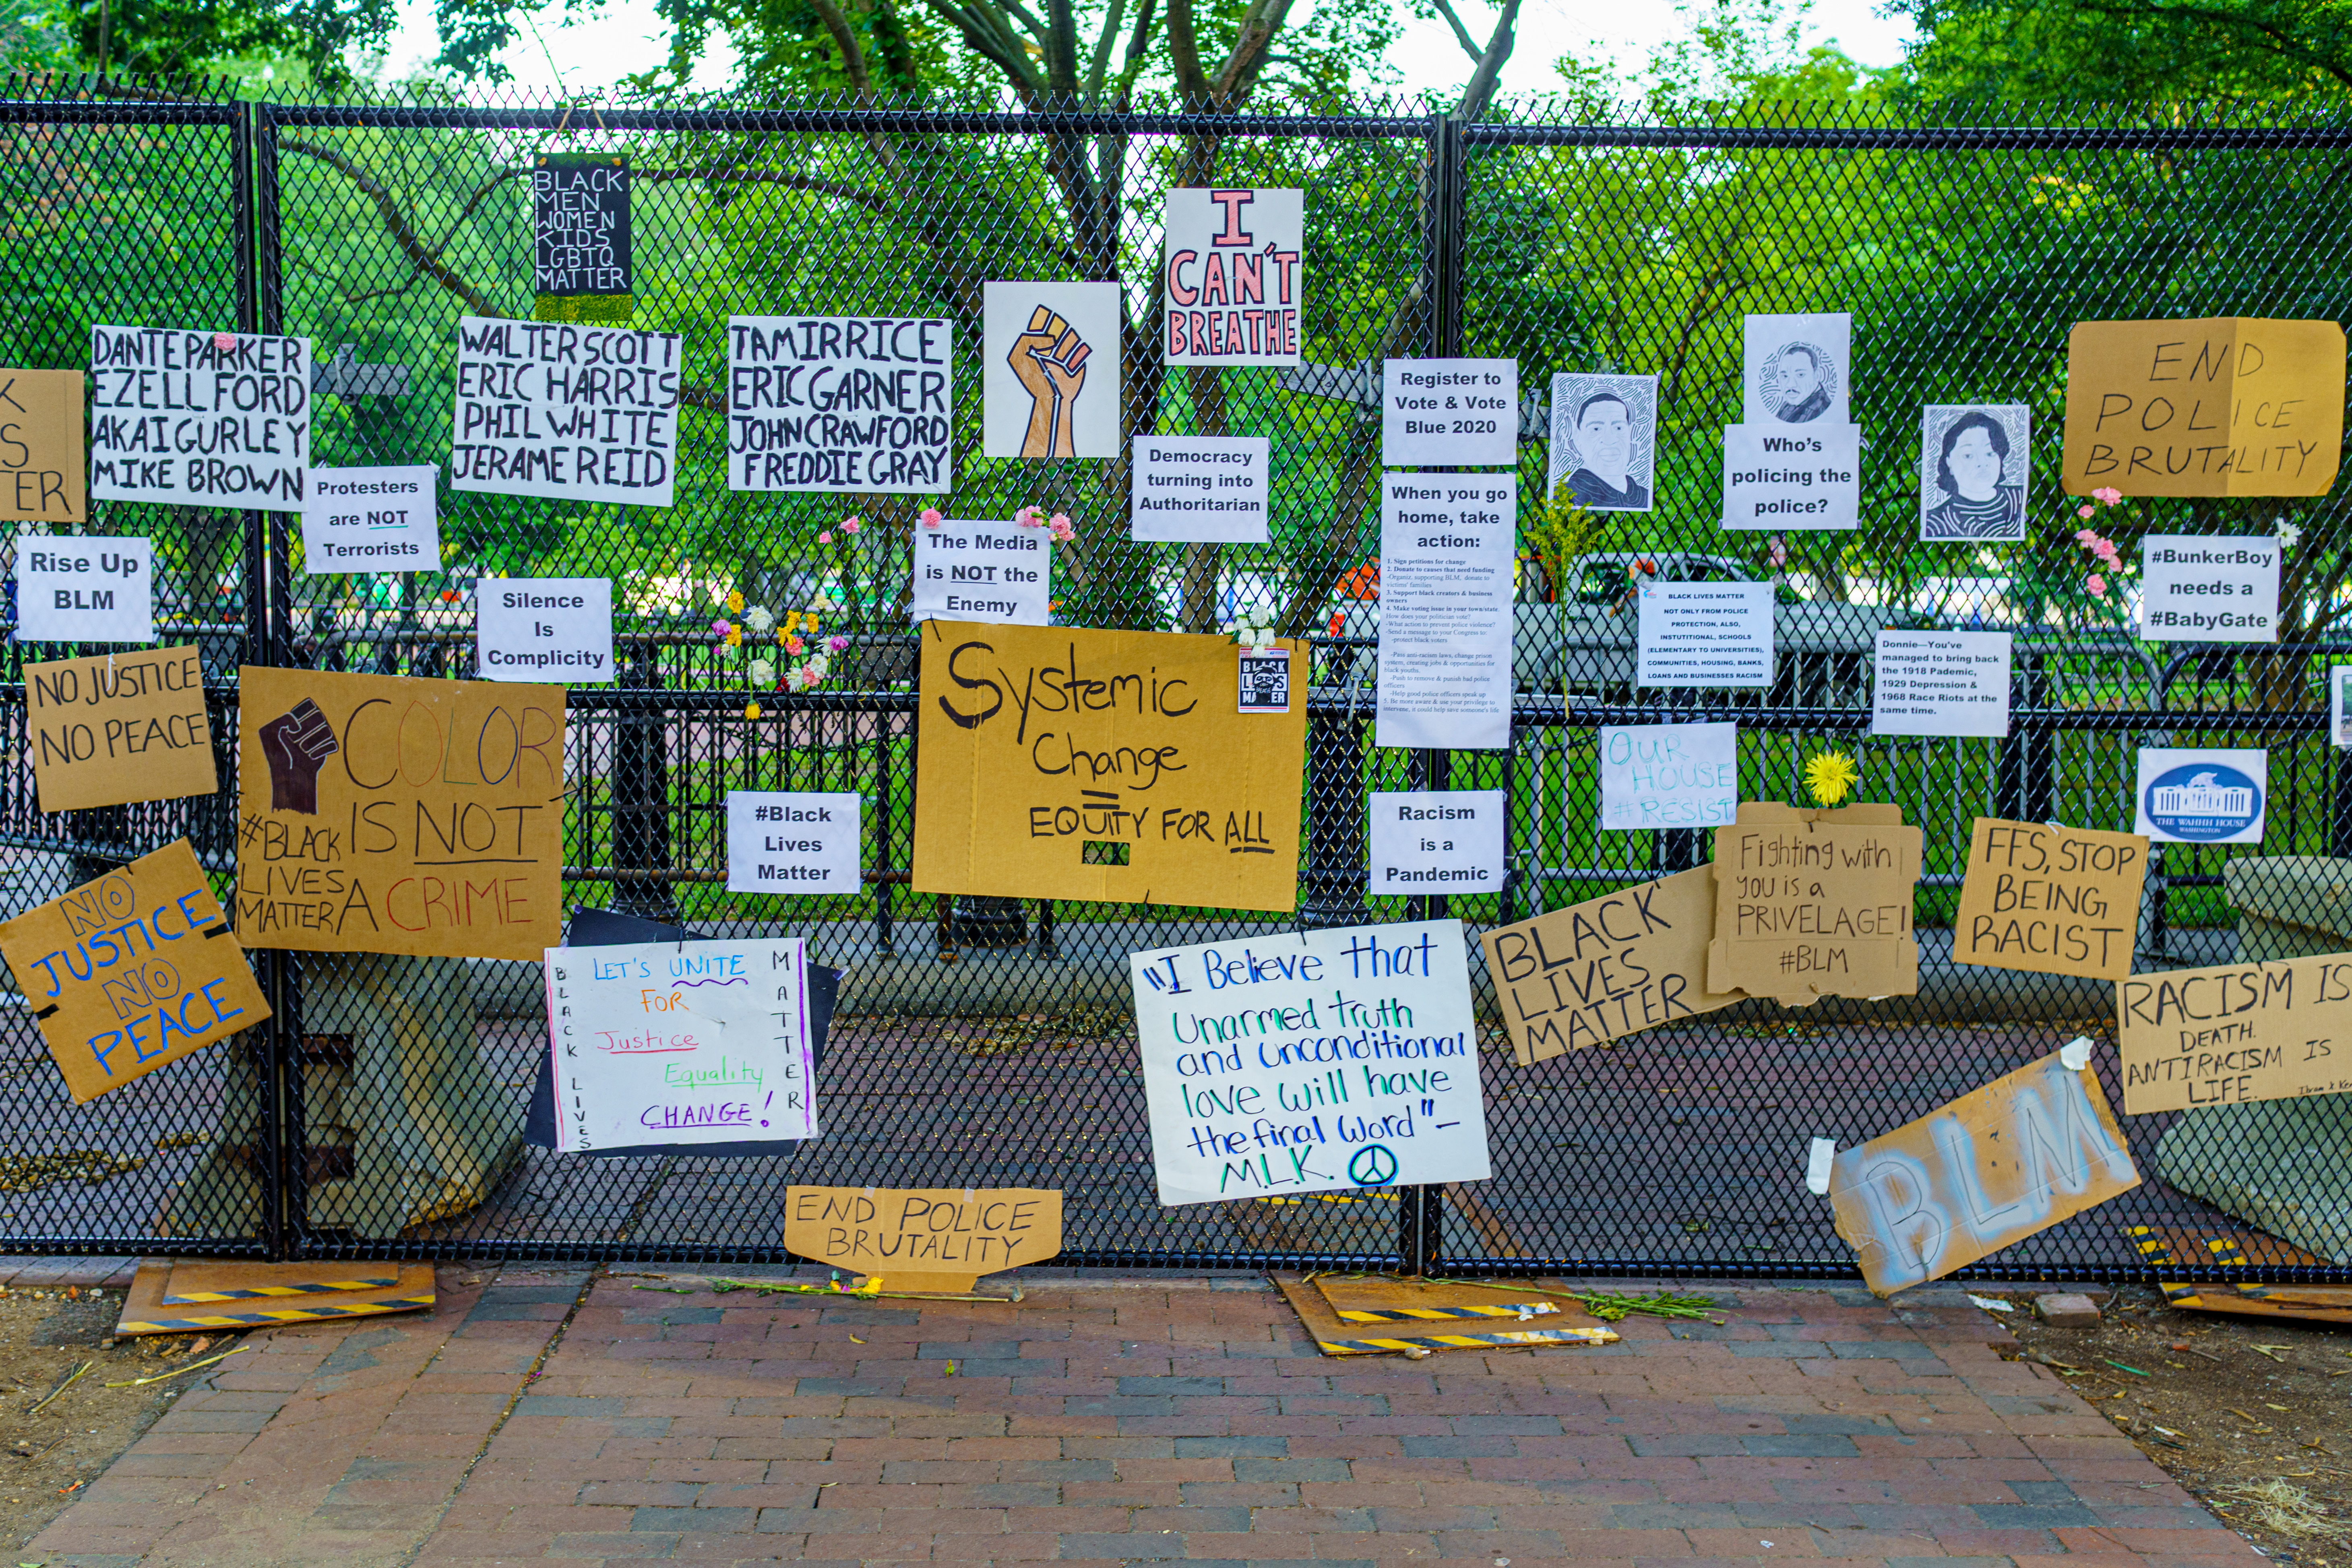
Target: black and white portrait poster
[
  {"x": 1796, "y": 370},
  {"x": 1049, "y": 375},
  {"x": 857, "y": 404},
  {"x": 1604, "y": 440},
  {"x": 576, "y": 413},
  {"x": 199, "y": 418},
  {"x": 1972, "y": 467}
]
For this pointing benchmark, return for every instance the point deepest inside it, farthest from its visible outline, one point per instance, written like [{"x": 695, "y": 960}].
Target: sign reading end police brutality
[
  {"x": 839, "y": 404},
  {"x": 201, "y": 418},
  {"x": 1311, "y": 1061},
  {"x": 576, "y": 413},
  {"x": 2208, "y": 589}
]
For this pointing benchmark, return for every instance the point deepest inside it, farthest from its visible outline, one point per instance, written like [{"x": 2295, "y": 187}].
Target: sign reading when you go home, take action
[{"x": 200, "y": 418}]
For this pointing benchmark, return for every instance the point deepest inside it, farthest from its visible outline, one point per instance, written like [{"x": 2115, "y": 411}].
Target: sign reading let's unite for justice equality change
[
  {"x": 576, "y": 413},
  {"x": 201, "y": 418}
]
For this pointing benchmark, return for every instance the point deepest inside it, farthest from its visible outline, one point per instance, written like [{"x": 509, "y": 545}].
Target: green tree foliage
[{"x": 2129, "y": 51}]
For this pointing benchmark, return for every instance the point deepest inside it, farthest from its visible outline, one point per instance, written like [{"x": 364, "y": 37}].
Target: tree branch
[
  {"x": 1489, "y": 74},
  {"x": 1461, "y": 34}
]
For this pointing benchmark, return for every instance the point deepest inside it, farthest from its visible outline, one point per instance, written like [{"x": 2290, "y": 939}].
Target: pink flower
[
  {"x": 2107, "y": 495},
  {"x": 224, "y": 341},
  {"x": 722, "y": 626},
  {"x": 1063, "y": 531},
  {"x": 826, "y": 537},
  {"x": 836, "y": 643},
  {"x": 795, "y": 644},
  {"x": 2106, "y": 551},
  {"x": 2086, "y": 510},
  {"x": 2096, "y": 584},
  {"x": 1061, "y": 523},
  {"x": 1029, "y": 517},
  {"x": 1777, "y": 554},
  {"x": 929, "y": 517},
  {"x": 850, "y": 525}
]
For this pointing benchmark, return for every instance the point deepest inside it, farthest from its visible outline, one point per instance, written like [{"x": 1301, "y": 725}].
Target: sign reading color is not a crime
[
  {"x": 924, "y": 1239},
  {"x": 2236, "y": 1032},
  {"x": 2051, "y": 900},
  {"x": 110, "y": 730},
  {"x": 1054, "y": 762},
  {"x": 2223, "y": 405},
  {"x": 378, "y": 814}
]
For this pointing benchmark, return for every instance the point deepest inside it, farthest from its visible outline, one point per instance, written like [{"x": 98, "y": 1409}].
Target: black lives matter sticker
[{"x": 1266, "y": 681}]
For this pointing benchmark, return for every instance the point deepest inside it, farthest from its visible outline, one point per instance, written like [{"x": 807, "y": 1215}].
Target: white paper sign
[
  {"x": 685, "y": 1043},
  {"x": 85, "y": 588},
  {"x": 1231, "y": 269},
  {"x": 780, "y": 841},
  {"x": 1797, "y": 371},
  {"x": 543, "y": 628},
  {"x": 1446, "y": 548},
  {"x": 202, "y": 418},
  {"x": 1049, "y": 371},
  {"x": 2208, "y": 588},
  {"x": 857, "y": 404},
  {"x": 2192, "y": 794},
  {"x": 1942, "y": 683},
  {"x": 971, "y": 570},
  {"x": 576, "y": 413},
  {"x": 1436, "y": 841},
  {"x": 1704, "y": 634},
  {"x": 1786, "y": 479},
  {"x": 1453, "y": 412},
  {"x": 371, "y": 520},
  {"x": 1973, "y": 462},
  {"x": 1658, "y": 777},
  {"x": 1604, "y": 440},
  {"x": 2339, "y": 711},
  {"x": 1292, "y": 1062},
  {"x": 1210, "y": 487}
]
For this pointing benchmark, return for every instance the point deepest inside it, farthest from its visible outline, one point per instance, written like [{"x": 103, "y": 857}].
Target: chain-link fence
[{"x": 990, "y": 1042}]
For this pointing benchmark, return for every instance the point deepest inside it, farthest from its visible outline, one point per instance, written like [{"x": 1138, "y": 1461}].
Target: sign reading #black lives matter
[
  {"x": 576, "y": 413},
  {"x": 199, "y": 418},
  {"x": 839, "y": 403}
]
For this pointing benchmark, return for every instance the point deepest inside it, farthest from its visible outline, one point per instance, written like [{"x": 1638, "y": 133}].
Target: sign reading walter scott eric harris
[
  {"x": 574, "y": 413},
  {"x": 1311, "y": 1062}
]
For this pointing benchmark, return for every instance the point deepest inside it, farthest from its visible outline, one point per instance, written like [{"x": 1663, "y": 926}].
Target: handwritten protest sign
[
  {"x": 2236, "y": 1032},
  {"x": 132, "y": 972},
  {"x": 1230, "y": 266},
  {"x": 577, "y": 413},
  {"x": 107, "y": 730},
  {"x": 202, "y": 418},
  {"x": 1668, "y": 775},
  {"x": 1606, "y": 968},
  {"x": 2051, "y": 900},
  {"x": 839, "y": 403},
  {"x": 1986, "y": 1171},
  {"x": 580, "y": 261},
  {"x": 1310, "y": 1061},
  {"x": 384, "y": 814},
  {"x": 2221, "y": 405},
  {"x": 680, "y": 1043},
  {"x": 924, "y": 1239},
  {"x": 1061, "y": 764},
  {"x": 1814, "y": 903},
  {"x": 42, "y": 467}
]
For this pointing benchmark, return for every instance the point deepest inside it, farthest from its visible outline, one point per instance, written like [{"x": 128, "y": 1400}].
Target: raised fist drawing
[
  {"x": 297, "y": 743},
  {"x": 1050, "y": 358}
]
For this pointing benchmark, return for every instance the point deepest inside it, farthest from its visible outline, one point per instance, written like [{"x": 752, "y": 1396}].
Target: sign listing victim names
[
  {"x": 839, "y": 404},
  {"x": 199, "y": 418},
  {"x": 576, "y": 413}
]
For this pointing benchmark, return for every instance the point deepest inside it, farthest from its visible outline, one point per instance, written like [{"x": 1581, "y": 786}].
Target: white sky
[{"x": 625, "y": 36}]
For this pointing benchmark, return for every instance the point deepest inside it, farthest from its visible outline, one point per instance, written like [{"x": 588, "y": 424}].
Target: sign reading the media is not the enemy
[
  {"x": 975, "y": 571},
  {"x": 2224, "y": 406},
  {"x": 1436, "y": 841},
  {"x": 371, "y": 520},
  {"x": 43, "y": 470},
  {"x": 570, "y": 412},
  {"x": 1231, "y": 272},
  {"x": 2207, "y": 588},
  {"x": 1207, "y": 487},
  {"x": 793, "y": 841},
  {"x": 112, "y": 729},
  {"x": 535, "y": 628},
  {"x": 218, "y": 419},
  {"x": 85, "y": 588},
  {"x": 857, "y": 404}
]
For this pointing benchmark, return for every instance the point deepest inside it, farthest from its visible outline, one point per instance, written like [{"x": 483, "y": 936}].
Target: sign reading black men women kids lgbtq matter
[
  {"x": 200, "y": 418},
  {"x": 581, "y": 259},
  {"x": 543, "y": 628},
  {"x": 793, "y": 841},
  {"x": 85, "y": 588},
  {"x": 974, "y": 571},
  {"x": 371, "y": 520},
  {"x": 857, "y": 404},
  {"x": 1310, "y": 1061},
  {"x": 1446, "y": 550},
  {"x": 576, "y": 413},
  {"x": 1208, "y": 488}
]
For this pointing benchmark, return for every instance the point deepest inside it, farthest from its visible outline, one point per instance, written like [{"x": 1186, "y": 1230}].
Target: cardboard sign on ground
[
  {"x": 2236, "y": 1032},
  {"x": 2223, "y": 405},
  {"x": 1990, "y": 1169},
  {"x": 132, "y": 972},
  {"x": 1813, "y": 903},
  {"x": 380, "y": 814},
  {"x": 1106, "y": 765},
  {"x": 2051, "y": 900},
  {"x": 43, "y": 468},
  {"x": 931, "y": 1238},
  {"x": 107, "y": 731},
  {"x": 1606, "y": 968},
  {"x": 150, "y": 1307}
]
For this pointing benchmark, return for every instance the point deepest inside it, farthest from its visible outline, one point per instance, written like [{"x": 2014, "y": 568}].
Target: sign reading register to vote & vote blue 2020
[{"x": 1316, "y": 1061}]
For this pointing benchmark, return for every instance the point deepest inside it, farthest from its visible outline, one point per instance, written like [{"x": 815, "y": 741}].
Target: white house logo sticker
[{"x": 2203, "y": 802}]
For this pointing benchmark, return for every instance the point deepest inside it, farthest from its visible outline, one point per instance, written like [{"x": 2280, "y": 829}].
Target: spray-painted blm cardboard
[
  {"x": 42, "y": 467},
  {"x": 1987, "y": 1170},
  {"x": 2223, "y": 405},
  {"x": 1813, "y": 903},
  {"x": 202, "y": 418},
  {"x": 2236, "y": 1032},
  {"x": 2051, "y": 900},
  {"x": 924, "y": 1239},
  {"x": 1606, "y": 968},
  {"x": 1055, "y": 762},
  {"x": 384, "y": 814},
  {"x": 107, "y": 731},
  {"x": 132, "y": 972}
]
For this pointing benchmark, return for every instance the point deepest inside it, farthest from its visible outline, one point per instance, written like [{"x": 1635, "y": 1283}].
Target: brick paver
[{"x": 1126, "y": 1422}]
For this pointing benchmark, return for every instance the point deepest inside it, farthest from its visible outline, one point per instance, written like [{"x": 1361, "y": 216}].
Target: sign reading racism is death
[
  {"x": 385, "y": 814},
  {"x": 2236, "y": 1032},
  {"x": 1112, "y": 766},
  {"x": 924, "y": 1239},
  {"x": 107, "y": 731},
  {"x": 201, "y": 418},
  {"x": 132, "y": 972},
  {"x": 2223, "y": 405},
  {"x": 2051, "y": 900}
]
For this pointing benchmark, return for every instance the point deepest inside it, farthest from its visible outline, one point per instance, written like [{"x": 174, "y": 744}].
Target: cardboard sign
[
  {"x": 924, "y": 1239},
  {"x": 166, "y": 405},
  {"x": 110, "y": 730},
  {"x": 1814, "y": 903},
  {"x": 1989, "y": 1170},
  {"x": 378, "y": 814},
  {"x": 2221, "y": 405},
  {"x": 1450, "y": 412},
  {"x": 1230, "y": 266},
  {"x": 574, "y": 413},
  {"x": 857, "y": 404},
  {"x": 42, "y": 467},
  {"x": 2050, "y": 900},
  {"x": 85, "y": 588},
  {"x": 2236, "y": 1032},
  {"x": 1311, "y": 1061},
  {"x": 2205, "y": 588},
  {"x": 1106, "y": 765},
  {"x": 1606, "y": 968},
  {"x": 131, "y": 972}
]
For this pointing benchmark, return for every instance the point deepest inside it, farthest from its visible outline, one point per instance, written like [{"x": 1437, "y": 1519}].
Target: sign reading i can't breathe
[{"x": 1231, "y": 271}]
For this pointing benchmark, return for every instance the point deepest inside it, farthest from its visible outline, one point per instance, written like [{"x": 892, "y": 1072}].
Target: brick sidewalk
[{"x": 1119, "y": 1423}]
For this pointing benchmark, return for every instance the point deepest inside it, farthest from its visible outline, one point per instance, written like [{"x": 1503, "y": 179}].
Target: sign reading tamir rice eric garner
[
  {"x": 110, "y": 730},
  {"x": 925, "y": 1239},
  {"x": 2236, "y": 1032},
  {"x": 1055, "y": 762},
  {"x": 1812, "y": 903},
  {"x": 2051, "y": 900},
  {"x": 378, "y": 814},
  {"x": 2223, "y": 405}
]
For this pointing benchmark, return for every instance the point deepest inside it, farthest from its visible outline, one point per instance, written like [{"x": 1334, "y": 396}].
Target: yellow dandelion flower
[
  {"x": 751, "y": 711},
  {"x": 735, "y": 601},
  {"x": 1831, "y": 775},
  {"x": 735, "y": 638}
]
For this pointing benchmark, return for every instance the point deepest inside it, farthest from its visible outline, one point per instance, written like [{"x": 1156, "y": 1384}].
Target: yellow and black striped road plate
[
  {"x": 1407, "y": 1314},
  {"x": 311, "y": 1312},
  {"x": 1470, "y": 1341},
  {"x": 182, "y": 1298}
]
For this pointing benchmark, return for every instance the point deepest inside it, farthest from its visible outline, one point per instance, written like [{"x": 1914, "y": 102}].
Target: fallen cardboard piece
[
  {"x": 146, "y": 1312},
  {"x": 1346, "y": 1317},
  {"x": 213, "y": 1280},
  {"x": 2167, "y": 1244},
  {"x": 1814, "y": 902},
  {"x": 931, "y": 1240}
]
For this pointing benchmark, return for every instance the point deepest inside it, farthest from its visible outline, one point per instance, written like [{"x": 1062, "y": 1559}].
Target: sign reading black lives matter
[
  {"x": 580, "y": 224},
  {"x": 577, "y": 413},
  {"x": 199, "y": 418},
  {"x": 840, "y": 403}
]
